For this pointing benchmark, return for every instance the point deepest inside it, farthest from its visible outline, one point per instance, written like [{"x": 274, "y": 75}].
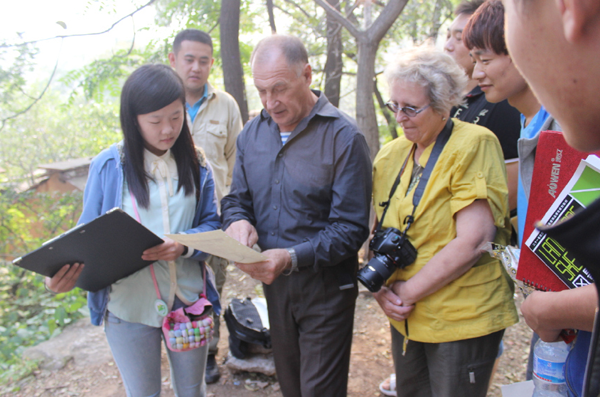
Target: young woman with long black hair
[{"x": 157, "y": 176}]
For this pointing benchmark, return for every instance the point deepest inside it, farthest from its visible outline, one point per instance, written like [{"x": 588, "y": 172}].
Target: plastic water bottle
[{"x": 549, "y": 369}]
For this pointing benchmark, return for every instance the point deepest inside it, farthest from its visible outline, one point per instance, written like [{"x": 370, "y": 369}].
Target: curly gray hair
[{"x": 438, "y": 73}]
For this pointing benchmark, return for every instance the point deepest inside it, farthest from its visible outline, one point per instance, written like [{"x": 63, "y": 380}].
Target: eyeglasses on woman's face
[{"x": 407, "y": 110}]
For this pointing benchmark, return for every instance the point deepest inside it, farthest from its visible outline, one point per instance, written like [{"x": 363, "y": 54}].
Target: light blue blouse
[{"x": 132, "y": 298}]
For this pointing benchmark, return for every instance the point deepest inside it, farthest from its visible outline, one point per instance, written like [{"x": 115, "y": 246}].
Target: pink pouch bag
[{"x": 190, "y": 327}]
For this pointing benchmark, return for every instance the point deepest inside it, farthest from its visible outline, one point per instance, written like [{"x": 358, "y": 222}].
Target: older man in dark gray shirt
[{"x": 301, "y": 188}]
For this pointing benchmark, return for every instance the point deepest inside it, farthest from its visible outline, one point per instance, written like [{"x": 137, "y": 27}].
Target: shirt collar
[
  {"x": 323, "y": 107},
  {"x": 150, "y": 159},
  {"x": 202, "y": 99},
  {"x": 194, "y": 108},
  {"x": 475, "y": 92},
  {"x": 535, "y": 125},
  {"x": 162, "y": 168}
]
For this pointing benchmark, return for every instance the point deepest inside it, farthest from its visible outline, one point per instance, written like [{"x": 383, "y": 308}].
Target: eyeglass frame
[{"x": 391, "y": 105}]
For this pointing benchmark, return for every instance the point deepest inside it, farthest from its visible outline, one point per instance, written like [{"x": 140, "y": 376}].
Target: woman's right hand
[
  {"x": 391, "y": 304},
  {"x": 64, "y": 280}
]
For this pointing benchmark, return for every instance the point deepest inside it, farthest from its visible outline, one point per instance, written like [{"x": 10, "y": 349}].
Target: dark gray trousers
[
  {"x": 311, "y": 323},
  {"x": 461, "y": 368}
]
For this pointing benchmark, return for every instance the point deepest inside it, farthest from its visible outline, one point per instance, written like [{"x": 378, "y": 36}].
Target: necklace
[{"x": 415, "y": 176}]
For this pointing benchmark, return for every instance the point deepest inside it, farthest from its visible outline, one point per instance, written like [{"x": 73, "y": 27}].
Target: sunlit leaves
[
  {"x": 15, "y": 63},
  {"x": 29, "y": 314}
]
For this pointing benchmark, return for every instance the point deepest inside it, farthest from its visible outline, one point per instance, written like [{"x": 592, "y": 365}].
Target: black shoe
[{"x": 212, "y": 370}]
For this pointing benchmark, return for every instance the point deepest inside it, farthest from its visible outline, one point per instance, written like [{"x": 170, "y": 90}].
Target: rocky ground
[{"x": 90, "y": 371}]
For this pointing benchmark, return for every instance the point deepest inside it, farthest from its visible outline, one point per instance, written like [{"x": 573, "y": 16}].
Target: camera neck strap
[{"x": 440, "y": 142}]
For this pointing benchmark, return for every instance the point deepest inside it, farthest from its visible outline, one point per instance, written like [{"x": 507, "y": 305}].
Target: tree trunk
[
  {"x": 435, "y": 20},
  {"x": 368, "y": 42},
  {"x": 389, "y": 117},
  {"x": 233, "y": 74},
  {"x": 365, "y": 106},
  {"x": 334, "y": 64},
  {"x": 271, "y": 16}
]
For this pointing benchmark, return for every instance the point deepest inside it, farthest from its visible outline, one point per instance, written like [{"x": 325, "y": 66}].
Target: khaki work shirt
[{"x": 215, "y": 129}]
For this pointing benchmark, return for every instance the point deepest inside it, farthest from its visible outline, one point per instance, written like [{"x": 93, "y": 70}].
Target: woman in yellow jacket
[{"x": 450, "y": 307}]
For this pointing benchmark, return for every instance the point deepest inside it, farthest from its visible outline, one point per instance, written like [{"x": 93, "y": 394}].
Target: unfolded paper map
[{"x": 219, "y": 244}]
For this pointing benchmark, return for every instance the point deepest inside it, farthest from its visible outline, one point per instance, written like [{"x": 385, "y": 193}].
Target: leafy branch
[
  {"x": 35, "y": 100},
  {"x": 80, "y": 34},
  {"x": 62, "y": 37}
]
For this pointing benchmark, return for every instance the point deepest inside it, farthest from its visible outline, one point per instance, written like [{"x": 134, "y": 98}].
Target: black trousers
[{"x": 311, "y": 323}]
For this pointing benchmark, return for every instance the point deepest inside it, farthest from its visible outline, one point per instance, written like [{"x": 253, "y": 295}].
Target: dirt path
[{"x": 371, "y": 360}]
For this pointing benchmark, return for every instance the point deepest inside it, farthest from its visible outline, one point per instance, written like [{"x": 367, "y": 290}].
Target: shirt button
[
  {"x": 480, "y": 175},
  {"x": 277, "y": 181},
  {"x": 272, "y": 233},
  {"x": 280, "y": 155},
  {"x": 274, "y": 207}
]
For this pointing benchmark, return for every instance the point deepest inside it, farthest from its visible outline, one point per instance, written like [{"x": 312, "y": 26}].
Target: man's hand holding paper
[
  {"x": 218, "y": 243},
  {"x": 267, "y": 271},
  {"x": 244, "y": 232}
]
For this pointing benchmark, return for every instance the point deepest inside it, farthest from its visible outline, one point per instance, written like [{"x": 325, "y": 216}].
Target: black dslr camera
[{"x": 392, "y": 250}]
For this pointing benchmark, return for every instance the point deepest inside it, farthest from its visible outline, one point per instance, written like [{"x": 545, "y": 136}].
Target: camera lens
[{"x": 376, "y": 272}]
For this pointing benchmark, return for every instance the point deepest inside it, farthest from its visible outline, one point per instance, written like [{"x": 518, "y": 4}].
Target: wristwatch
[{"x": 294, "y": 267}]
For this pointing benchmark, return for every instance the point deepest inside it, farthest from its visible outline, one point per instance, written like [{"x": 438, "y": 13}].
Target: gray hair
[
  {"x": 291, "y": 48},
  {"x": 438, "y": 73}
]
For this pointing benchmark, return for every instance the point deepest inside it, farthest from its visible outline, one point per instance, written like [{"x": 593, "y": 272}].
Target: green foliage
[
  {"x": 28, "y": 313},
  {"x": 12, "y": 75},
  {"x": 422, "y": 19},
  {"x": 385, "y": 136},
  {"x": 86, "y": 121},
  {"x": 102, "y": 79},
  {"x": 197, "y": 14},
  {"x": 53, "y": 131},
  {"x": 14, "y": 373}
]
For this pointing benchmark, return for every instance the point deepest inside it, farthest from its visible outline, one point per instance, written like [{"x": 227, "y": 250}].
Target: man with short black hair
[
  {"x": 501, "y": 118},
  {"x": 215, "y": 122},
  {"x": 500, "y": 80},
  {"x": 301, "y": 189}
]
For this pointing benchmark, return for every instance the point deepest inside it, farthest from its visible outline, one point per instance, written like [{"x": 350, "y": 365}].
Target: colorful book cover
[
  {"x": 555, "y": 164},
  {"x": 583, "y": 188}
]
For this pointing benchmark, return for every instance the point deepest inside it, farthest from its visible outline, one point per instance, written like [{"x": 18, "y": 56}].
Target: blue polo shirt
[
  {"x": 193, "y": 109},
  {"x": 529, "y": 131}
]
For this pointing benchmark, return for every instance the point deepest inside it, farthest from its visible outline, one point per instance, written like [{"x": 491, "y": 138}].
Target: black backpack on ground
[{"x": 245, "y": 326}]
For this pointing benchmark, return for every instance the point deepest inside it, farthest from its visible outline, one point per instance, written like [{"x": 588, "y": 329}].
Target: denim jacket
[{"x": 104, "y": 191}]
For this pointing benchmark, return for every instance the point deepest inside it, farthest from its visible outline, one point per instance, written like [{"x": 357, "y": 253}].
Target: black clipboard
[{"x": 111, "y": 247}]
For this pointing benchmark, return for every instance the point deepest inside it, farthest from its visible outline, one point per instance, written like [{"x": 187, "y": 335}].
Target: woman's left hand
[{"x": 167, "y": 251}]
